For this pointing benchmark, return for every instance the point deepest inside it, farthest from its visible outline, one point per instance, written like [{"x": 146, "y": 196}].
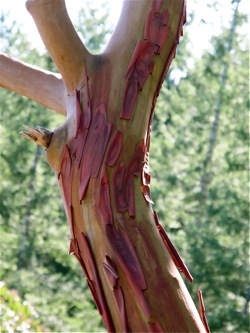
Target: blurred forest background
[{"x": 199, "y": 169}]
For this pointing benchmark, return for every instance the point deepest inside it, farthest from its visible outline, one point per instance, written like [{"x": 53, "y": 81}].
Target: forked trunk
[
  {"x": 100, "y": 157},
  {"x": 105, "y": 184}
]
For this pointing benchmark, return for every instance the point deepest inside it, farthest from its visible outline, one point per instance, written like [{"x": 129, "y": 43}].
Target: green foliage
[
  {"x": 92, "y": 26},
  {"x": 16, "y": 316}
]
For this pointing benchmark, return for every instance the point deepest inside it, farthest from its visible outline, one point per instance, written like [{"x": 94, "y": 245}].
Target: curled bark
[{"x": 100, "y": 157}]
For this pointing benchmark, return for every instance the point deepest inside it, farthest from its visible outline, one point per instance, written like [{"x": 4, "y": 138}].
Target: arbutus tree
[{"x": 100, "y": 157}]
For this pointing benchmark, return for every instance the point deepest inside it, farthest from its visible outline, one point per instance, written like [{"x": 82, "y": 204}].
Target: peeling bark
[{"x": 100, "y": 157}]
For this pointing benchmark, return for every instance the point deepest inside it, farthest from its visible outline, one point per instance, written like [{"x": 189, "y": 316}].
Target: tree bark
[
  {"x": 100, "y": 158},
  {"x": 42, "y": 86}
]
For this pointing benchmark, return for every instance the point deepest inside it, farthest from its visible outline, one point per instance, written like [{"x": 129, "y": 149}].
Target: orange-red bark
[
  {"x": 100, "y": 156},
  {"x": 126, "y": 255}
]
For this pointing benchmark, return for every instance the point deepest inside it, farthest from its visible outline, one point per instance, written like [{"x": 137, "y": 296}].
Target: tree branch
[
  {"x": 134, "y": 14},
  {"x": 125, "y": 36},
  {"x": 42, "y": 86},
  {"x": 39, "y": 135},
  {"x": 61, "y": 40}
]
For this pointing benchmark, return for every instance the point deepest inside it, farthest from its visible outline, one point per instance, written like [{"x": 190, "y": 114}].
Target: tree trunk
[{"x": 100, "y": 158}]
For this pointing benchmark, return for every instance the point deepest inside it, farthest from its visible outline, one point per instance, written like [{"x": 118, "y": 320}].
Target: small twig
[{"x": 39, "y": 135}]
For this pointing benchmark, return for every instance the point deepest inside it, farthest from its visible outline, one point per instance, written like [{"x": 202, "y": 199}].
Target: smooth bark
[
  {"x": 61, "y": 40},
  {"x": 42, "y": 86}
]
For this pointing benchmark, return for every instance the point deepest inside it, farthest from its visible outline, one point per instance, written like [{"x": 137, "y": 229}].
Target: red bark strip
[
  {"x": 111, "y": 275},
  {"x": 112, "y": 279},
  {"x": 83, "y": 118},
  {"x": 89, "y": 279},
  {"x": 155, "y": 327},
  {"x": 146, "y": 178},
  {"x": 102, "y": 133},
  {"x": 146, "y": 193},
  {"x": 65, "y": 173},
  {"x": 171, "y": 55},
  {"x": 136, "y": 279},
  {"x": 65, "y": 181},
  {"x": 141, "y": 60},
  {"x": 141, "y": 64},
  {"x": 156, "y": 29},
  {"x": 124, "y": 181},
  {"x": 128, "y": 192},
  {"x": 172, "y": 250},
  {"x": 83, "y": 267},
  {"x": 119, "y": 297},
  {"x": 130, "y": 96},
  {"x": 104, "y": 199},
  {"x": 71, "y": 221},
  {"x": 95, "y": 285},
  {"x": 85, "y": 176},
  {"x": 136, "y": 165},
  {"x": 118, "y": 177},
  {"x": 126, "y": 256},
  {"x": 77, "y": 145},
  {"x": 156, "y": 32},
  {"x": 94, "y": 149},
  {"x": 156, "y": 218},
  {"x": 79, "y": 113},
  {"x": 140, "y": 67},
  {"x": 143, "y": 303},
  {"x": 118, "y": 180},
  {"x": 142, "y": 72},
  {"x": 90, "y": 282},
  {"x": 114, "y": 149},
  {"x": 167, "y": 65},
  {"x": 92, "y": 288},
  {"x": 124, "y": 191},
  {"x": 88, "y": 258},
  {"x": 203, "y": 311},
  {"x": 174, "y": 254},
  {"x": 73, "y": 247},
  {"x": 111, "y": 263}
]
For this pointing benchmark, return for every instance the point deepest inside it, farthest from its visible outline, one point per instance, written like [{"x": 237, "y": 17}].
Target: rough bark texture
[{"x": 100, "y": 158}]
